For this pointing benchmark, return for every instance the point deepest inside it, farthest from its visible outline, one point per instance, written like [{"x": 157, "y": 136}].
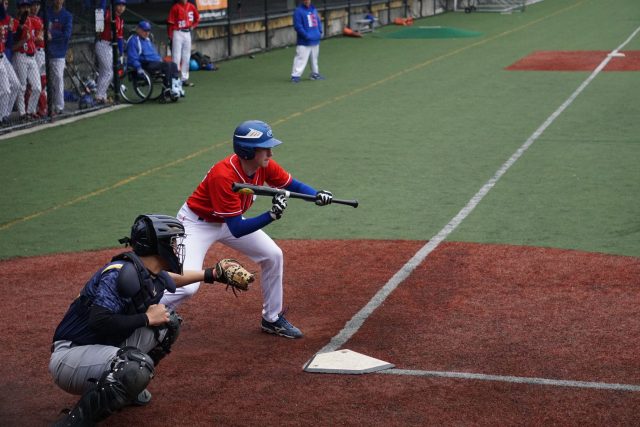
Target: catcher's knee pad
[
  {"x": 172, "y": 329},
  {"x": 133, "y": 369},
  {"x": 130, "y": 373}
]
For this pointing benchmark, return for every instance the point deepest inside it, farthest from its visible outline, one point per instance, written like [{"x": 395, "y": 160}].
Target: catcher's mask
[
  {"x": 250, "y": 135},
  {"x": 161, "y": 235}
]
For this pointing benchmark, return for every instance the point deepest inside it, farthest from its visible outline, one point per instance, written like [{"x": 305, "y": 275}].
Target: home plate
[{"x": 345, "y": 362}]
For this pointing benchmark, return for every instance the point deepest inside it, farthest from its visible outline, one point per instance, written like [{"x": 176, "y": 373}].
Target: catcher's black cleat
[
  {"x": 281, "y": 327},
  {"x": 142, "y": 399}
]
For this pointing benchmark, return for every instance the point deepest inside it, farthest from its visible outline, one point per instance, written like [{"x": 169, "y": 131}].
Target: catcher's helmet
[
  {"x": 250, "y": 135},
  {"x": 159, "y": 235}
]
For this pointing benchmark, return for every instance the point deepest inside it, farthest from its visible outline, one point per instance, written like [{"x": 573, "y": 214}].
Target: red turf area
[
  {"x": 495, "y": 309},
  {"x": 588, "y": 60}
]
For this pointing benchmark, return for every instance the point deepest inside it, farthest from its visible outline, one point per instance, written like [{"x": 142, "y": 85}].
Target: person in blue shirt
[
  {"x": 142, "y": 54},
  {"x": 308, "y": 26},
  {"x": 59, "y": 26}
]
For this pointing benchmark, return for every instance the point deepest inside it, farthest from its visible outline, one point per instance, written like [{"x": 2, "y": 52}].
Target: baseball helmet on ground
[
  {"x": 250, "y": 135},
  {"x": 158, "y": 235}
]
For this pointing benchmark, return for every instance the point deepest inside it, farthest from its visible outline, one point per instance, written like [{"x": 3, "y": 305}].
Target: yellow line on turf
[
  {"x": 111, "y": 187},
  {"x": 277, "y": 122}
]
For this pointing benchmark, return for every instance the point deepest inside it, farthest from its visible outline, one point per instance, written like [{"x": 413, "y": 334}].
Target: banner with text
[{"x": 212, "y": 9}]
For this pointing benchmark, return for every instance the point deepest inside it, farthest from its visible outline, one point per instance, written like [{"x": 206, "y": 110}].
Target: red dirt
[
  {"x": 562, "y": 60},
  {"x": 492, "y": 309}
]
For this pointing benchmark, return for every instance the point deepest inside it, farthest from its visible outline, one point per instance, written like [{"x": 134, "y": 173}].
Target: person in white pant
[
  {"x": 59, "y": 25},
  {"x": 104, "y": 51},
  {"x": 308, "y": 26},
  {"x": 214, "y": 213},
  {"x": 9, "y": 83},
  {"x": 183, "y": 19},
  {"x": 9, "y": 87},
  {"x": 24, "y": 61}
]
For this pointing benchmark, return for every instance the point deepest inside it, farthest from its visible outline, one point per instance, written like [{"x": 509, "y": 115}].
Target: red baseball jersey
[
  {"x": 106, "y": 34},
  {"x": 24, "y": 40},
  {"x": 214, "y": 200},
  {"x": 38, "y": 30},
  {"x": 7, "y": 25},
  {"x": 183, "y": 17}
]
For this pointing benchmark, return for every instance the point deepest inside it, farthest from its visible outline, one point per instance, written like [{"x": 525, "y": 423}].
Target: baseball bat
[{"x": 263, "y": 190}]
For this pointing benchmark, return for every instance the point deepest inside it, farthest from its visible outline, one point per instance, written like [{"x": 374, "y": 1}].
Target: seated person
[{"x": 142, "y": 54}]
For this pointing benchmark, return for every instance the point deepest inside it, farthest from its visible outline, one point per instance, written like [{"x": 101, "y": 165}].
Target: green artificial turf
[{"x": 412, "y": 128}]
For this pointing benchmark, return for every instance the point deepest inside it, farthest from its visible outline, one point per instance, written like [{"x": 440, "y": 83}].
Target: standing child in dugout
[
  {"x": 214, "y": 213},
  {"x": 104, "y": 51}
]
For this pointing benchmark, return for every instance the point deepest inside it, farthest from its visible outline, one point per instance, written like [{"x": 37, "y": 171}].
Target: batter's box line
[{"x": 513, "y": 379}]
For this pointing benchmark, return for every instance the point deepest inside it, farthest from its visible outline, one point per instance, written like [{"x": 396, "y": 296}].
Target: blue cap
[
  {"x": 117, "y": 2},
  {"x": 144, "y": 25},
  {"x": 24, "y": 3}
]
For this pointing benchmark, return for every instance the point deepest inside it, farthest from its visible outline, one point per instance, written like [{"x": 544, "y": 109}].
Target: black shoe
[{"x": 187, "y": 83}]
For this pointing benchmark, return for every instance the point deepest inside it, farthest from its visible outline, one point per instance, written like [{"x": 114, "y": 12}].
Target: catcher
[{"x": 114, "y": 334}]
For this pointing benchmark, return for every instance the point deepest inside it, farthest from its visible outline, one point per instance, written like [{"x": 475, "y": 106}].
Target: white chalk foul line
[
  {"x": 353, "y": 325},
  {"x": 512, "y": 379}
]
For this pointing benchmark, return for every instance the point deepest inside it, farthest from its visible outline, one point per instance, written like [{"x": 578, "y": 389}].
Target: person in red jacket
[
  {"x": 38, "y": 28},
  {"x": 183, "y": 18},
  {"x": 24, "y": 61}
]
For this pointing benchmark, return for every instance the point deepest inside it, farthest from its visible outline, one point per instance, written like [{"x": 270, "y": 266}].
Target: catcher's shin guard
[
  {"x": 130, "y": 373},
  {"x": 164, "y": 347}
]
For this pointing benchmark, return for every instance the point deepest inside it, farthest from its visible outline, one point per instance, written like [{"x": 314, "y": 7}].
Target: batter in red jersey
[
  {"x": 214, "y": 213},
  {"x": 183, "y": 18}
]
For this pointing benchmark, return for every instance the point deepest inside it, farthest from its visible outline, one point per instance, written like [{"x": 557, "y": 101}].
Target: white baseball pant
[
  {"x": 302, "y": 57},
  {"x": 72, "y": 367},
  {"x": 56, "y": 81},
  {"x": 40, "y": 60},
  {"x": 181, "y": 52},
  {"x": 104, "y": 54},
  {"x": 258, "y": 246},
  {"x": 26, "y": 69},
  {"x": 9, "y": 87}
]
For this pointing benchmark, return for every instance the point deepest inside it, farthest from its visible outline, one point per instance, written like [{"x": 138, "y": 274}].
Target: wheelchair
[{"x": 138, "y": 88}]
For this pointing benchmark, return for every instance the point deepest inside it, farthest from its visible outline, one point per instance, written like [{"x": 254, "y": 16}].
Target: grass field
[
  {"x": 412, "y": 128},
  {"x": 529, "y": 179}
]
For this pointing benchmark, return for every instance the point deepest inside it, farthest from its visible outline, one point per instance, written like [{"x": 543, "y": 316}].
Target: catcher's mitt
[{"x": 234, "y": 275}]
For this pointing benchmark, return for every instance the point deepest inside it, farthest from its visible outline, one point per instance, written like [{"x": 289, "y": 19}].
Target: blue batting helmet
[
  {"x": 117, "y": 2},
  {"x": 144, "y": 25},
  {"x": 250, "y": 135}
]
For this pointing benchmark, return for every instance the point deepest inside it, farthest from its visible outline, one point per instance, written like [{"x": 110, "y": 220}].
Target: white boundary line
[
  {"x": 511, "y": 379},
  {"x": 353, "y": 325},
  {"x": 61, "y": 122}
]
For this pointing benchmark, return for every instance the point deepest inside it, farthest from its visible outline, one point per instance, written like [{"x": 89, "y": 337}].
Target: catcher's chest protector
[{"x": 135, "y": 282}]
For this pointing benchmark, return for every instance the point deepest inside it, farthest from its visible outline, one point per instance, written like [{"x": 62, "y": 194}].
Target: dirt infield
[
  {"x": 588, "y": 60},
  {"x": 492, "y": 309}
]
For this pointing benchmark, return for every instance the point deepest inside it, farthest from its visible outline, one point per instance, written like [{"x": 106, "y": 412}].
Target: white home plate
[{"x": 345, "y": 362}]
